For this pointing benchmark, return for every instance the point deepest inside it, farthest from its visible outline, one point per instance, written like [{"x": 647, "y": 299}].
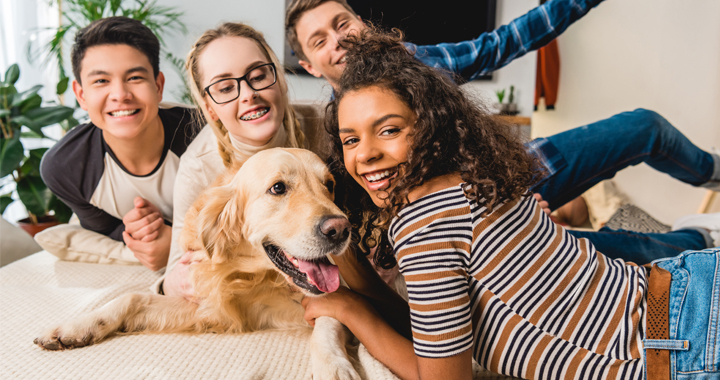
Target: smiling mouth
[
  {"x": 255, "y": 115},
  {"x": 379, "y": 176},
  {"x": 317, "y": 276},
  {"x": 124, "y": 113}
]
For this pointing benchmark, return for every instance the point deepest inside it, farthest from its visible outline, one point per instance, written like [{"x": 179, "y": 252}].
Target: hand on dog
[
  {"x": 543, "y": 204},
  {"x": 177, "y": 283},
  {"x": 152, "y": 254},
  {"x": 340, "y": 304},
  {"x": 144, "y": 221}
]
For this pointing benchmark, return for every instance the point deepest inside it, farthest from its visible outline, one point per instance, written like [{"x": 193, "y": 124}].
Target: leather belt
[{"x": 657, "y": 359}]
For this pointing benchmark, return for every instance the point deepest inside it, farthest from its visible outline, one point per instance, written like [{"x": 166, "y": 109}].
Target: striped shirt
[{"x": 528, "y": 298}]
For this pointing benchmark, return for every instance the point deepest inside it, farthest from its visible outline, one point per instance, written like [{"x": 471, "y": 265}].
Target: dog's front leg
[
  {"x": 128, "y": 313},
  {"x": 328, "y": 352}
]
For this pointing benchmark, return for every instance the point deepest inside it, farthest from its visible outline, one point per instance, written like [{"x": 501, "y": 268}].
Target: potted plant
[{"x": 22, "y": 114}]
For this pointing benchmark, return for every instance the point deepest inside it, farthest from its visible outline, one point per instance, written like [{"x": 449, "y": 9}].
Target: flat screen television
[{"x": 423, "y": 22}]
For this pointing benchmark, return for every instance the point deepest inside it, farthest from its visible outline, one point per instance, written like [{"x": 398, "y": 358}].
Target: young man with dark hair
[
  {"x": 117, "y": 172},
  {"x": 576, "y": 159}
]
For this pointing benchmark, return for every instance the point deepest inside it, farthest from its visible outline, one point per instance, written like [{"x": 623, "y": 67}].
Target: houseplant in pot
[{"x": 23, "y": 115}]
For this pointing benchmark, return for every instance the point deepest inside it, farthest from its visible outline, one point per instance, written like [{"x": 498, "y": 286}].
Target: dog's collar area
[{"x": 278, "y": 258}]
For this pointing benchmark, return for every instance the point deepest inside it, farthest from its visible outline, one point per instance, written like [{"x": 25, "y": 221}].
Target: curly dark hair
[{"x": 452, "y": 134}]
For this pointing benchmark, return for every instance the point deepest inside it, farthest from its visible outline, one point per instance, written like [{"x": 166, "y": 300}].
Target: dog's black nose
[{"x": 335, "y": 228}]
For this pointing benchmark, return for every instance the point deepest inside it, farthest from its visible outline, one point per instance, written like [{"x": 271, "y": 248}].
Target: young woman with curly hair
[{"x": 489, "y": 276}]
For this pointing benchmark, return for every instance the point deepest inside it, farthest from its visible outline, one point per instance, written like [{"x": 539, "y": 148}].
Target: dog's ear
[{"x": 220, "y": 222}]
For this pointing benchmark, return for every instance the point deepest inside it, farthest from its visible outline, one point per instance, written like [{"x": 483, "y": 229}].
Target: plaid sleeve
[{"x": 493, "y": 50}]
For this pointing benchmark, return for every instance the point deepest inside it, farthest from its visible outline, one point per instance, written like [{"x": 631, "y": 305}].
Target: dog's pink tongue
[{"x": 323, "y": 275}]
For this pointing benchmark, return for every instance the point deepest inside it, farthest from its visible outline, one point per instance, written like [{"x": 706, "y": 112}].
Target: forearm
[
  {"x": 362, "y": 278},
  {"x": 383, "y": 342}
]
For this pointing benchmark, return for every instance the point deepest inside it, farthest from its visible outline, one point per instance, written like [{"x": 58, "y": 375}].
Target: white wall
[{"x": 662, "y": 55}]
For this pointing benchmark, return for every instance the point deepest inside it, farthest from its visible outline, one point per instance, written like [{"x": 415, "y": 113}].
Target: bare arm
[
  {"x": 362, "y": 278},
  {"x": 382, "y": 341}
]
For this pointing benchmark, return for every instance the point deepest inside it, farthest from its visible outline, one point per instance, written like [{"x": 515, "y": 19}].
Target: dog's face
[{"x": 280, "y": 203}]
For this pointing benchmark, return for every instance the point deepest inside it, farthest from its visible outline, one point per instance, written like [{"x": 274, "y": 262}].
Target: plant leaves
[
  {"x": 25, "y": 95},
  {"x": 27, "y": 122},
  {"x": 30, "y": 104},
  {"x": 12, "y": 74},
  {"x": 31, "y": 166},
  {"x": 4, "y": 112},
  {"x": 5, "y": 200},
  {"x": 34, "y": 194},
  {"x": 49, "y": 115},
  {"x": 69, "y": 124},
  {"x": 62, "y": 86},
  {"x": 11, "y": 154},
  {"x": 63, "y": 213},
  {"x": 7, "y": 91}
]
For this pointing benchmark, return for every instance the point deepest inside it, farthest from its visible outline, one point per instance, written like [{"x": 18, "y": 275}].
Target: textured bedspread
[{"x": 40, "y": 291}]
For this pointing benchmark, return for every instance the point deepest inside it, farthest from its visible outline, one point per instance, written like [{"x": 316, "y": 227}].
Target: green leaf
[
  {"x": 12, "y": 74},
  {"x": 7, "y": 91},
  {"x": 34, "y": 194},
  {"x": 27, "y": 122},
  {"x": 31, "y": 166},
  {"x": 62, "y": 85},
  {"x": 11, "y": 154},
  {"x": 69, "y": 123},
  {"x": 4, "y": 112},
  {"x": 30, "y": 104},
  {"x": 5, "y": 200},
  {"x": 63, "y": 213},
  {"x": 49, "y": 115},
  {"x": 25, "y": 95}
]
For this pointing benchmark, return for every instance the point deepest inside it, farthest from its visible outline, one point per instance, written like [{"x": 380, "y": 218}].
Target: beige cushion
[{"x": 71, "y": 242}]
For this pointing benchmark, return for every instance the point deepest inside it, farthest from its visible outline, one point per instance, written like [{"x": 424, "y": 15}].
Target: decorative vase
[{"x": 43, "y": 223}]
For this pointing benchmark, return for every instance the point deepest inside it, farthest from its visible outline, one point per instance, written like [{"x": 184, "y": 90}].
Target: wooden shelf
[{"x": 517, "y": 120}]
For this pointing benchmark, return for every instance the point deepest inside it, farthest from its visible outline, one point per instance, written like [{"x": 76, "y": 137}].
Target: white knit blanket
[{"x": 41, "y": 291}]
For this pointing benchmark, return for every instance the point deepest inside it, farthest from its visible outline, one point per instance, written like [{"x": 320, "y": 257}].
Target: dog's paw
[
  {"x": 336, "y": 368},
  {"x": 56, "y": 340}
]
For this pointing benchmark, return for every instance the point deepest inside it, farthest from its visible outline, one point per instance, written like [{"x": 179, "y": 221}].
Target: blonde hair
[{"x": 228, "y": 153}]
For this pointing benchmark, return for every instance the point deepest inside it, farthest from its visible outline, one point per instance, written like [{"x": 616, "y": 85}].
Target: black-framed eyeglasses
[{"x": 228, "y": 89}]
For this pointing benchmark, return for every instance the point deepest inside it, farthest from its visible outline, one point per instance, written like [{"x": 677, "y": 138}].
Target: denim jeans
[
  {"x": 694, "y": 315},
  {"x": 580, "y": 158}
]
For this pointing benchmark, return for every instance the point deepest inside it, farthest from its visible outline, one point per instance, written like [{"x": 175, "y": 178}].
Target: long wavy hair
[
  {"x": 452, "y": 134},
  {"x": 228, "y": 153}
]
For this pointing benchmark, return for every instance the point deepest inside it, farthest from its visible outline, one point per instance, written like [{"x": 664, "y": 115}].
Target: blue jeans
[
  {"x": 694, "y": 314},
  {"x": 580, "y": 158}
]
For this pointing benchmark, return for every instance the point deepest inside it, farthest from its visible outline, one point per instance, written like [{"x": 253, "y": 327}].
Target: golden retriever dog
[{"x": 262, "y": 235}]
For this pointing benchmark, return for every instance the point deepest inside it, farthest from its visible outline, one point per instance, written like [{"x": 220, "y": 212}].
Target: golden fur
[{"x": 237, "y": 286}]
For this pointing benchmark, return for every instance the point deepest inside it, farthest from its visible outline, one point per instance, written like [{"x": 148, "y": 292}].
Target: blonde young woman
[{"x": 239, "y": 85}]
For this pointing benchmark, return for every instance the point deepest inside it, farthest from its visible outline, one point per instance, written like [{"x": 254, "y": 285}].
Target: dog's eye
[
  {"x": 330, "y": 186},
  {"x": 278, "y": 188}
]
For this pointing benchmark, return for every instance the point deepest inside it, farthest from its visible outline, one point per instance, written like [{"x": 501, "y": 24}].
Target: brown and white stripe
[{"x": 528, "y": 298}]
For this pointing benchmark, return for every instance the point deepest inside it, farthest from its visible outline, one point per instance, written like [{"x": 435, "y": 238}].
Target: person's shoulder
[
  {"x": 78, "y": 158},
  {"x": 180, "y": 122}
]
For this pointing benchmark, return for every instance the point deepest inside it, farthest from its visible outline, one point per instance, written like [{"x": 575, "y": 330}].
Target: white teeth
[
  {"x": 123, "y": 113},
  {"x": 255, "y": 115},
  {"x": 293, "y": 260},
  {"x": 378, "y": 176},
  {"x": 343, "y": 59}
]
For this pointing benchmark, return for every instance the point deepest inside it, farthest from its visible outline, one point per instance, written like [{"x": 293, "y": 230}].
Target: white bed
[{"x": 40, "y": 290}]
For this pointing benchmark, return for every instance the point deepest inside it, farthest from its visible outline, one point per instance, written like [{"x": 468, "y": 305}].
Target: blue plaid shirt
[{"x": 493, "y": 50}]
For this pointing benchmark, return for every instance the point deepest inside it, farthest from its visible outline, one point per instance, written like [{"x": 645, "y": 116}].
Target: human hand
[
  {"x": 543, "y": 204},
  {"x": 177, "y": 283},
  {"x": 152, "y": 254},
  {"x": 144, "y": 221},
  {"x": 340, "y": 304}
]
